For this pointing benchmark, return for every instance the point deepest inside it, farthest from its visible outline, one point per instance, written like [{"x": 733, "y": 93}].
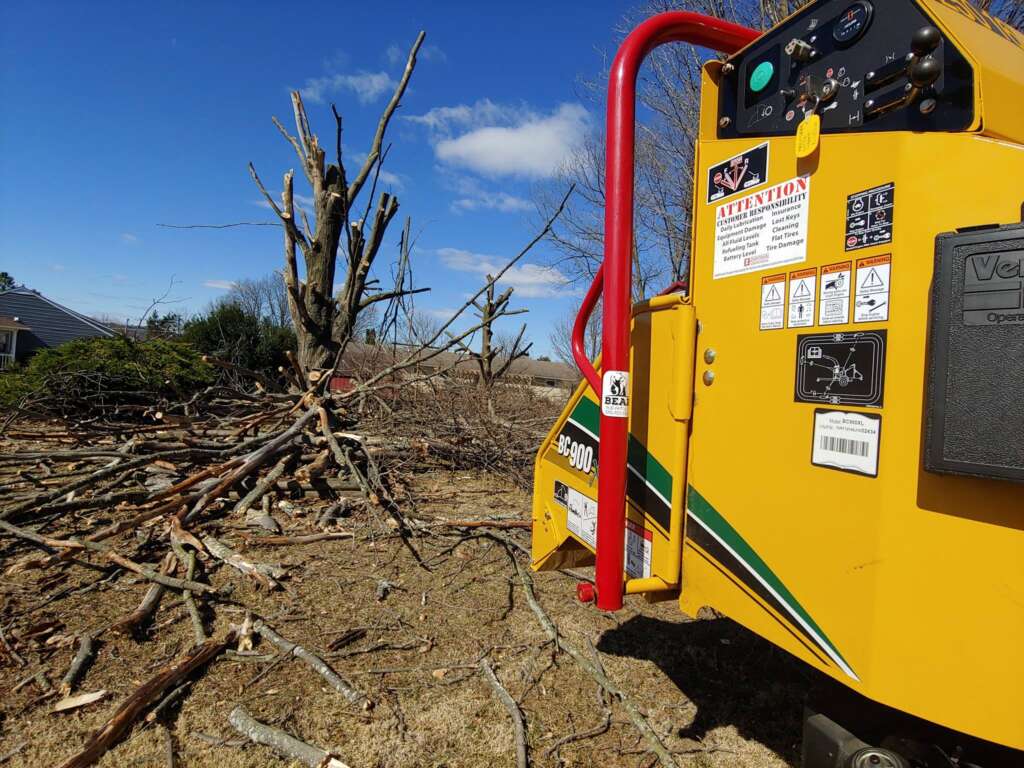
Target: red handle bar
[{"x": 615, "y": 276}]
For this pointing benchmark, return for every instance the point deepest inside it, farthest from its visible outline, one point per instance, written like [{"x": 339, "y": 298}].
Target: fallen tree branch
[
  {"x": 518, "y": 723},
  {"x": 287, "y": 746},
  {"x": 264, "y": 573},
  {"x": 82, "y": 656},
  {"x": 128, "y": 711},
  {"x": 149, "y": 603},
  {"x": 320, "y": 666},
  {"x": 635, "y": 715}
]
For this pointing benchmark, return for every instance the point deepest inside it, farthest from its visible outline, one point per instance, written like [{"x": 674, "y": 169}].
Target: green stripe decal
[
  {"x": 705, "y": 514},
  {"x": 587, "y": 415}
]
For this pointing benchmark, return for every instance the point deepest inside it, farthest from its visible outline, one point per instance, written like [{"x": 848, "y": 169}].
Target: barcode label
[
  {"x": 846, "y": 440},
  {"x": 844, "y": 445}
]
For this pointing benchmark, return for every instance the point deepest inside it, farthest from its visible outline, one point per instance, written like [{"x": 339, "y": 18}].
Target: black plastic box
[{"x": 975, "y": 399}]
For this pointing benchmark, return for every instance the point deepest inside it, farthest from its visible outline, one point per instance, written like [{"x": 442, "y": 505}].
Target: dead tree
[
  {"x": 496, "y": 357},
  {"x": 325, "y": 321}
]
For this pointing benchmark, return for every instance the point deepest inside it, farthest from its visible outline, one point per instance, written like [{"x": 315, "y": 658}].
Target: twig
[
  {"x": 279, "y": 741},
  {"x": 319, "y": 665},
  {"x": 188, "y": 559},
  {"x": 518, "y": 723},
  {"x": 149, "y": 602},
  {"x": 84, "y": 653}
]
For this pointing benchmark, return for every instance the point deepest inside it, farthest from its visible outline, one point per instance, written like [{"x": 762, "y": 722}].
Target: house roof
[
  {"x": 359, "y": 355},
  {"x": 12, "y": 324},
  {"x": 21, "y": 290}
]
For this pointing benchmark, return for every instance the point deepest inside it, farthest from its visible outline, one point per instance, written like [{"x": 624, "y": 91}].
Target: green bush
[
  {"x": 230, "y": 333},
  {"x": 111, "y": 369}
]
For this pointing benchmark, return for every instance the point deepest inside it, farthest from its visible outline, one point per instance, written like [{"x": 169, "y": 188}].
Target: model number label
[{"x": 580, "y": 455}]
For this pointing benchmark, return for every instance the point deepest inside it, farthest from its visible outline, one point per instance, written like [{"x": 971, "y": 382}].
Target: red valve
[{"x": 585, "y": 592}]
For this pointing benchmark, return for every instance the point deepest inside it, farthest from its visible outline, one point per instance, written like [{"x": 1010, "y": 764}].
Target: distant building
[{"x": 29, "y": 321}]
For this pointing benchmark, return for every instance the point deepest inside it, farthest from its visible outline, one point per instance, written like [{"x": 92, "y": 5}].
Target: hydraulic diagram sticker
[
  {"x": 763, "y": 230},
  {"x": 803, "y": 287},
  {"x": 836, "y": 280},
  {"x": 871, "y": 302},
  {"x": 846, "y": 440},
  {"x": 773, "y": 302},
  {"x": 869, "y": 217},
  {"x": 746, "y": 170},
  {"x": 841, "y": 368}
]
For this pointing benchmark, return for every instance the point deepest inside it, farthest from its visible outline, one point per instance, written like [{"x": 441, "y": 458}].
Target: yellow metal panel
[{"x": 908, "y": 587}]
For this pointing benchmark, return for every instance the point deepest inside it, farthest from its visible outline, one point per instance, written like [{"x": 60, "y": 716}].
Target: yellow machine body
[{"x": 907, "y": 586}]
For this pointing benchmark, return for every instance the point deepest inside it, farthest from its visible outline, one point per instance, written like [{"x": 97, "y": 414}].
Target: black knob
[
  {"x": 924, "y": 72},
  {"x": 925, "y": 40}
]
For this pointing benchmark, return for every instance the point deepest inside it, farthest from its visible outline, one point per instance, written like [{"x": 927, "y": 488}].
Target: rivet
[
  {"x": 709, "y": 356},
  {"x": 709, "y": 378}
]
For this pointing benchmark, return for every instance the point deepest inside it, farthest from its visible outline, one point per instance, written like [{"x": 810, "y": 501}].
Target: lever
[{"x": 922, "y": 69}]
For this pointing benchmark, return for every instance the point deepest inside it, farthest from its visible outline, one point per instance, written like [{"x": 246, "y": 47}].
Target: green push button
[{"x": 761, "y": 76}]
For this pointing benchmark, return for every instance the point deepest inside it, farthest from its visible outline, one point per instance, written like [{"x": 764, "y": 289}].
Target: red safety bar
[{"x": 615, "y": 276}]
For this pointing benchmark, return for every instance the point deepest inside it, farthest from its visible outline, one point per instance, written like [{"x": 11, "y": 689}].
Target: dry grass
[{"x": 718, "y": 695}]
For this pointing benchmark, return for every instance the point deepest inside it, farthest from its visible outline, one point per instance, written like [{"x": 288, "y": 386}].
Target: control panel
[{"x": 860, "y": 65}]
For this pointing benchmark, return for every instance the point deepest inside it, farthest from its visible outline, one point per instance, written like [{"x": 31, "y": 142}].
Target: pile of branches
[
  {"x": 459, "y": 425},
  {"x": 130, "y": 498}
]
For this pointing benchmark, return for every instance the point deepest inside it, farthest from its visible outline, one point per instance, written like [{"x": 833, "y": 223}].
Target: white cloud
[
  {"x": 388, "y": 178},
  {"x": 503, "y": 140},
  {"x": 129, "y": 238},
  {"x": 444, "y": 120},
  {"x": 221, "y": 285},
  {"x": 530, "y": 281},
  {"x": 57, "y": 268},
  {"x": 367, "y": 86},
  {"x": 494, "y": 201}
]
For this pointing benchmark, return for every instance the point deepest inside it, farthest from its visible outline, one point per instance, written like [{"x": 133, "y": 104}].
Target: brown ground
[{"x": 718, "y": 695}]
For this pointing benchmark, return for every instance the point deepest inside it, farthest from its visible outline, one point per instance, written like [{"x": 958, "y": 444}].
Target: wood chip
[{"x": 79, "y": 700}]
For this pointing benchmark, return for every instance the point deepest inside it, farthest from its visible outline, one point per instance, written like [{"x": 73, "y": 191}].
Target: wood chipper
[{"x": 823, "y": 438}]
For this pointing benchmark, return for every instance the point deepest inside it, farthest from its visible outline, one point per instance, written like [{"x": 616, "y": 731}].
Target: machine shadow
[{"x": 731, "y": 675}]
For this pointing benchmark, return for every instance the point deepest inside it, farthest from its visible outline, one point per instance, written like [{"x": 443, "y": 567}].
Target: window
[{"x": 6, "y": 342}]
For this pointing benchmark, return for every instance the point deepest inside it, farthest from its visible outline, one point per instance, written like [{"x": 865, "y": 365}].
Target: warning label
[
  {"x": 580, "y": 512},
  {"x": 763, "y": 230},
  {"x": 803, "y": 287},
  {"x": 869, "y": 217},
  {"x": 746, "y": 170},
  {"x": 581, "y": 520},
  {"x": 836, "y": 280},
  {"x": 847, "y": 441},
  {"x": 639, "y": 542},
  {"x": 773, "y": 302},
  {"x": 874, "y": 276}
]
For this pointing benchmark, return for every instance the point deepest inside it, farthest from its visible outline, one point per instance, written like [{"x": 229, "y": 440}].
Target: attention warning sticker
[
  {"x": 773, "y": 302},
  {"x": 874, "y": 276},
  {"x": 763, "y": 230},
  {"x": 803, "y": 287},
  {"x": 836, "y": 280}
]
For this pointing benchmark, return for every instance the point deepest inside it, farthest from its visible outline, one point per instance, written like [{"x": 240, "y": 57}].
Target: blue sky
[{"x": 120, "y": 116}]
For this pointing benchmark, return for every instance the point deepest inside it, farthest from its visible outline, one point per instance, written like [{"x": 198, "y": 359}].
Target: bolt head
[
  {"x": 709, "y": 378},
  {"x": 709, "y": 355},
  {"x": 725, "y": 122}
]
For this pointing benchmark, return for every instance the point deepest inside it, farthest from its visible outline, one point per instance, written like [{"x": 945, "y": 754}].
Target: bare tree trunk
[{"x": 324, "y": 321}]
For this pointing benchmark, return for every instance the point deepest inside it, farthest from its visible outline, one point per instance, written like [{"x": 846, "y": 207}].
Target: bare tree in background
[
  {"x": 496, "y": 353},
  {"x": 668, "y": 91},
  {"x": 263, "y": 297},
  {"x": 324, "y": 320},
  {"x": 561, "y": 337}
]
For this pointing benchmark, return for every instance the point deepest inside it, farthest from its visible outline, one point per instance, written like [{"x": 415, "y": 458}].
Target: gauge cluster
[{"x": 861, "y": 65}]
